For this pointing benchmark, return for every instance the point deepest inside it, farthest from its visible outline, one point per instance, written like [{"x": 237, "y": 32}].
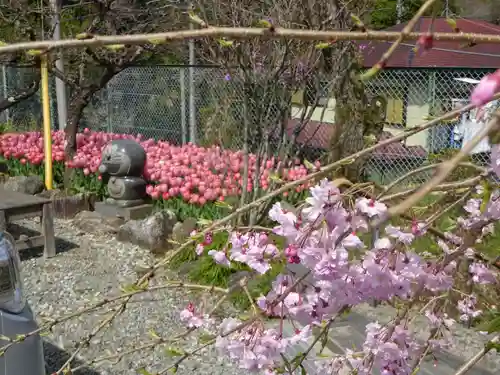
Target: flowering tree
[
  {"x": 354, "y": 244},
  {"x": 272, "y": 71}
]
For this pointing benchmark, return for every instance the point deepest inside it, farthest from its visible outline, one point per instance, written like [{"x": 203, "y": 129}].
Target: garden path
[{"x": 89, "y": 267}]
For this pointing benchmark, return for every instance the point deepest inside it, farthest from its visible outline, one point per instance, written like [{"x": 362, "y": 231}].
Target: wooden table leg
[{"x": 48, "y": 231}]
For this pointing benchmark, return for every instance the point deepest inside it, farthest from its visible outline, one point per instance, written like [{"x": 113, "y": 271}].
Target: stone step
[
  {"x": 349, "y": 334},
  {"x": 352, "y": 336}
]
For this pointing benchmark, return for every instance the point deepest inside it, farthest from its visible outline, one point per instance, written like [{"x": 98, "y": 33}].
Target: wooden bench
[{"x": 17, "y": 206}]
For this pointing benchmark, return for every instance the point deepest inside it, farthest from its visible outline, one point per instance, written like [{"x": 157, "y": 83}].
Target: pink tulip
[{"x": 196, "y": 174}]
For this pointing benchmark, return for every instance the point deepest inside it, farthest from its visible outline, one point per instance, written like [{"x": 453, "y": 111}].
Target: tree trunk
[
  {"x": 75, "y": 113},
  {"x": 350, "y": 105},
  {"x": 79, "y": 101}
]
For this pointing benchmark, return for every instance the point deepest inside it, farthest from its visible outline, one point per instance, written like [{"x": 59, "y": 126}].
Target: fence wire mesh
[{"x": 204, "y": 105}]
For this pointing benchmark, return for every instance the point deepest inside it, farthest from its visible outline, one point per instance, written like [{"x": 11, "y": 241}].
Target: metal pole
[
  {"x": 62, "y": 106},
  {"x": 182, "y": 81},
  {"x": 47, "y": 133},
  {"x": 192, "y": 109},
  {"x": 5, "y": 91}
]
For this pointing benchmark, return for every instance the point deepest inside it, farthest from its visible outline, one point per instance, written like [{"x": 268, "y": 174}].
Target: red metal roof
[
  {"x": 443, "y": 54},
  {"x": 317, "y": 135}
]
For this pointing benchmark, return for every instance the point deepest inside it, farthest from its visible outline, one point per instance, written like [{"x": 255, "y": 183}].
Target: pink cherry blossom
[
  {"x": 481, "y": 274},
  {"x": 397, "y": 233},
  {"x": 219, "y": 257},
  {"x": 370, "y": 207},
  {"x": 189, "y": 317},
  {"x": 467, "y": 307},
  {"x": 486, "y": 89}
]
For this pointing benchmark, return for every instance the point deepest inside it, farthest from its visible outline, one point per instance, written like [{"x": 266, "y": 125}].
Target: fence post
[
  {"x": 182, "y": 81},
  {"x": 109, "y": 124},
  {"x": 192, "y": 109},
  {"x": 5, "y": 91}
]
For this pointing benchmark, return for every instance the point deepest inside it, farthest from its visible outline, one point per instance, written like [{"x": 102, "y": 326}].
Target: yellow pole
[{"x": 47, "y": 134}]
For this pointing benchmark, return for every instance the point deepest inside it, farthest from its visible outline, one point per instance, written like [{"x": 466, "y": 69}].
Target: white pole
[
  {"x": 62, "y": 106},
  {"x": 182, "y": 82},
  {"x": 5, "y": 91},
  {"x": 399, "y": 11},
  {"x": 192, "y": 109}
]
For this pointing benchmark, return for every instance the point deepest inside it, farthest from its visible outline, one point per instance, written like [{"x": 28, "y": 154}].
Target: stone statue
[{"x": 123, "y": 161}]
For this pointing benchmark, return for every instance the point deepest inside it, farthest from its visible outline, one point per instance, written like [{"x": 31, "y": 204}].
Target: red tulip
[{"x": 196, "y": 174}]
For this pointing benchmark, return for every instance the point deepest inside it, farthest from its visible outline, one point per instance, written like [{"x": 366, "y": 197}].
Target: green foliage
[
  {"x": 461, "y": 172},
  {"x": 204, "y": 270},
  {"x": 384, "y": 12},
  {"x": 81, "y": 183},
  {"x": 491, "y": 321},
  {"x": 6, "y": 127}
]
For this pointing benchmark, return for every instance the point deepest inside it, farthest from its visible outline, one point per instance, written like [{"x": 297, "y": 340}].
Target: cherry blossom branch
[
  {"x": 478, "y": 356},
  {"x": 158, "y": 341},
  {"x": 402, "y": 36},
  {"x": 324, "y": 331},
  {"x": 387, "y": 188},
  {"x": 102, "y": 303},
  {"x": 444, "y": 170},
  {"x": 242, "y": 33},
  {"x": 85, "y": 342},
  {"x": 443, "y": 187},
  {"x": 448, "y": 208},
  {"x": 310, "y": 177}
]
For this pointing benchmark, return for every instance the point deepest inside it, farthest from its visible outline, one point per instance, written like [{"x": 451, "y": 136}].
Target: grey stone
[
  {"x": 151, "y": 233},
  {"x": 24, "y": 184},
  {"x": 182, "y": 230},
  {"x": 94, "y": 222}
]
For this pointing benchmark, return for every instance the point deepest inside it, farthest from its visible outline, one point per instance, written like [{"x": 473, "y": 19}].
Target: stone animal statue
[{"x": 123, "y": 162}]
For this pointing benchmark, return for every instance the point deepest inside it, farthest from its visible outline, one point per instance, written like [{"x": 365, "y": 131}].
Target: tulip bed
[{"x": 199, "y": 181}]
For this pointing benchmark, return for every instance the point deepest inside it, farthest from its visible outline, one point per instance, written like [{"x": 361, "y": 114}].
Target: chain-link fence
[
  {"x": 411, "y": 96},
  {"x": 204, "y": 105}
]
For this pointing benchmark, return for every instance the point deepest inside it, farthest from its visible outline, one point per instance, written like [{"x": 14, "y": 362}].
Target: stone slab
[{"x": 127, "y": 213}]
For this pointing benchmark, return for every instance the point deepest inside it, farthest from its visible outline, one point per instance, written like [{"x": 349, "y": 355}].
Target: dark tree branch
[{"x": 12, "y": 100}]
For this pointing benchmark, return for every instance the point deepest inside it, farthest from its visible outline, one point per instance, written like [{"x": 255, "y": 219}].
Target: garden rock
[
  {"x": 93, "y": 222},
  {"x": 182, "y": 230},
  {"x": 24, "y": 184},
  {"x": 151, "y": 233}
]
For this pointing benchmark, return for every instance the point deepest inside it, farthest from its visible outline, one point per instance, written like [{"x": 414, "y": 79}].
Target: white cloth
[{"x": 469, "y": 127}]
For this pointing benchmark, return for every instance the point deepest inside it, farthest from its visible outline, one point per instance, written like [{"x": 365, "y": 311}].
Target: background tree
[
  {"x": 17, "y": 23},
  {"x": 86, "y": 73},
  {"x": 384, "y": 13},
  {"x": 270, "y": 72}
]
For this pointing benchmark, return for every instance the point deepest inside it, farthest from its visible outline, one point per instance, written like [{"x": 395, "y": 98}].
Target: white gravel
[
  {"x": 94, "y": 266},
  {"x": 90, "y": 267}
]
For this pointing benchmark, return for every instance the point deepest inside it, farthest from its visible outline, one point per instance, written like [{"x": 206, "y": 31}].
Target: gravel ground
[{"x": 90, "y": 267}]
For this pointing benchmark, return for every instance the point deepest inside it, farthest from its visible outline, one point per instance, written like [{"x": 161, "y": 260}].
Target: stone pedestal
[{"x": 126, "y": 213}]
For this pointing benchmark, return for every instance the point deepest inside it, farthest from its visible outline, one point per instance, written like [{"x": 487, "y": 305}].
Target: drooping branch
[{"x": 11, "y": 100}]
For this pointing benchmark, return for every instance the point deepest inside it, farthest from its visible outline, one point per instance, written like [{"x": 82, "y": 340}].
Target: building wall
[{"x": 416, "y": 112}]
